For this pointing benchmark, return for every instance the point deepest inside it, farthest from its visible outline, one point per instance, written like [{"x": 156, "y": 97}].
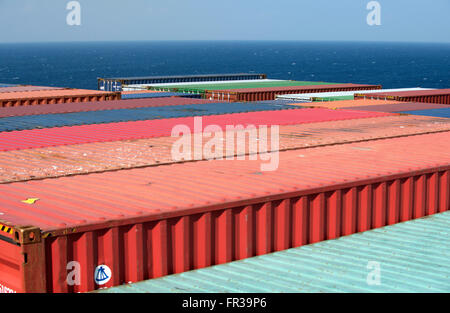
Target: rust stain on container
[
  {"x": 11, "y": 99},
  {"x": 156, "y": 221},
  {"x": 60, "y": 161}
]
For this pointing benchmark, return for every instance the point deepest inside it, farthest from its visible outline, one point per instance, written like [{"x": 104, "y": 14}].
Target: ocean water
[{"x": 77, "y": 65}]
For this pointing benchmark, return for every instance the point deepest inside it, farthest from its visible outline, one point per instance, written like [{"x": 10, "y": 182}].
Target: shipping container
[
  {"x": 239, "y": 85},
  {"x": 77, "y": 234},
  {"x": 432, "y": 112},
  {"x": 2, "y": 85},
  {"x": 340, "y": 95},
  {"x": 412, "y": 257},
  {"x": 11, "y": 99},
  {"x": 160, "y": 95},
  {"x": 441, "y": 96},
  {"x": 115, "y": 84},
  {"x": 396, "y": 107},
  {"x": 28, "y": 88},
  {"x": 167, "y": 86},
  {"x": 96, "y": 106},
  {"x": 49, "y": 137},
  {"x": 260, "y": 94},
  {"x": 349, "y": 104},
  {"x": 28, "y": 164},
  {"x": 17, "y": 123}
]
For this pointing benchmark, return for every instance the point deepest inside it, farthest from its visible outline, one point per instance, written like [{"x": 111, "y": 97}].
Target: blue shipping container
[
  {"x": 432, "y": 112},
  {"x": 140, "y": 114}
]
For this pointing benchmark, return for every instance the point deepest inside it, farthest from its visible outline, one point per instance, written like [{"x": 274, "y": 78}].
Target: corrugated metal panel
[
  {"x": 160, "y": 95},
  {"x": 10, "y": 99},
  {"x": 124, "y": 115},
  {"x": 396, "y": 107},
  {"x": 200, "y": 83},
  {"x": 242, "y": 85},
  {"x": 349, "y": 103},
  {"x": 431, "y": 96},
  {"x": 38, "y": 138},
  {"x": 96, "y": 106},
  {"x": 115, "y": 84},
  {"x": 28, "y": 88},
  {"x": 259, "y": 94},
  {"x": 433, "y": 112},
  {"x": 320, "y": 95},
  {"x": 100, "y": 157},
  {"x": 152, "y": 222},
  {"x": 413, "y": 257}
]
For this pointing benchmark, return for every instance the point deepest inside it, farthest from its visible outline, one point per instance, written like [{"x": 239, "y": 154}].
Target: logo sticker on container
[{"x": 102, "y": 274}]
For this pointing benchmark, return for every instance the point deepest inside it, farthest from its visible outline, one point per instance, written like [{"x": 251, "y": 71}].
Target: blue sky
[{"x": 401, "y": 20}]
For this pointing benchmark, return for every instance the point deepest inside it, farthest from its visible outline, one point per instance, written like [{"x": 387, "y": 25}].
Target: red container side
[
  {"x": 38, "y": 138},
  {"x": 96, "y": 106},
  {"x": 12, "y": 99},
  {"x": 146, "y": 223},
  {"x": 441, "y": 96},
  {"x": 262, "y": 94}
]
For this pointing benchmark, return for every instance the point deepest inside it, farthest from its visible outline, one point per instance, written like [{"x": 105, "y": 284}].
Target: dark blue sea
[{"x": 394, "y": 65}]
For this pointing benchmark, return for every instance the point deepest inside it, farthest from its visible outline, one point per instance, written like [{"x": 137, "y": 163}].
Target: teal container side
[{"x": 408, "y": 257}]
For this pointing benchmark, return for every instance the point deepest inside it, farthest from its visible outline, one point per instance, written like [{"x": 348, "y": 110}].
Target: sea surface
[{"x": 78, "y": 65}]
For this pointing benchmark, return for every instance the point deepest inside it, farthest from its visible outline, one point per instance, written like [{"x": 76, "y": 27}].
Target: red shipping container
[
  {"x": 77, "y": 234},
  {"x": 38, "y": 138},
  {"x": 441, "y": 96},
  {"x": 11, "y": 99},
  {"x": 28, "y": 164},
  {"x": 400, "y": 107},
  {"x": 96, "y": 106},
  {"x": 262, "y": 94}
]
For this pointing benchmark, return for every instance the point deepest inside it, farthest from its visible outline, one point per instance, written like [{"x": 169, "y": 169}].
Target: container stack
[{"x": 99, "y": 186}]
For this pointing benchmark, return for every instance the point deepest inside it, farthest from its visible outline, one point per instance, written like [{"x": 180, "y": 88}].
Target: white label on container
[
  {"x": 4, "y": 289},
  {"x": 102, "y": 274}
]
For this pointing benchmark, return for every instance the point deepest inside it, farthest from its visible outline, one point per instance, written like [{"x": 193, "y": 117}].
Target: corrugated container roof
[
  {"x": 58, "y": 108},
  {"x": 306, "y": 96},
  {"x": 184, "y": 76},
  {"x": 38, "y": 138},
  {"x": 348, "y": 103},
  {"x": 395, "y": 107},
  {"x": 98, "y": 157},
  {"x": 28, "y": 88},
  {"x": 246, "y": 85},
  {"x": 88, "y": 201},
  {"x": 51, "y": 93},
  {"x": 125, "y": 87},
  {"x": 413, "y": 257},
  {"x": 160, "y": 95},
  {"x": 124, "y": 115},
  {"x": 443, "y": 112},
  {"x": 287, "y": 88}
]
